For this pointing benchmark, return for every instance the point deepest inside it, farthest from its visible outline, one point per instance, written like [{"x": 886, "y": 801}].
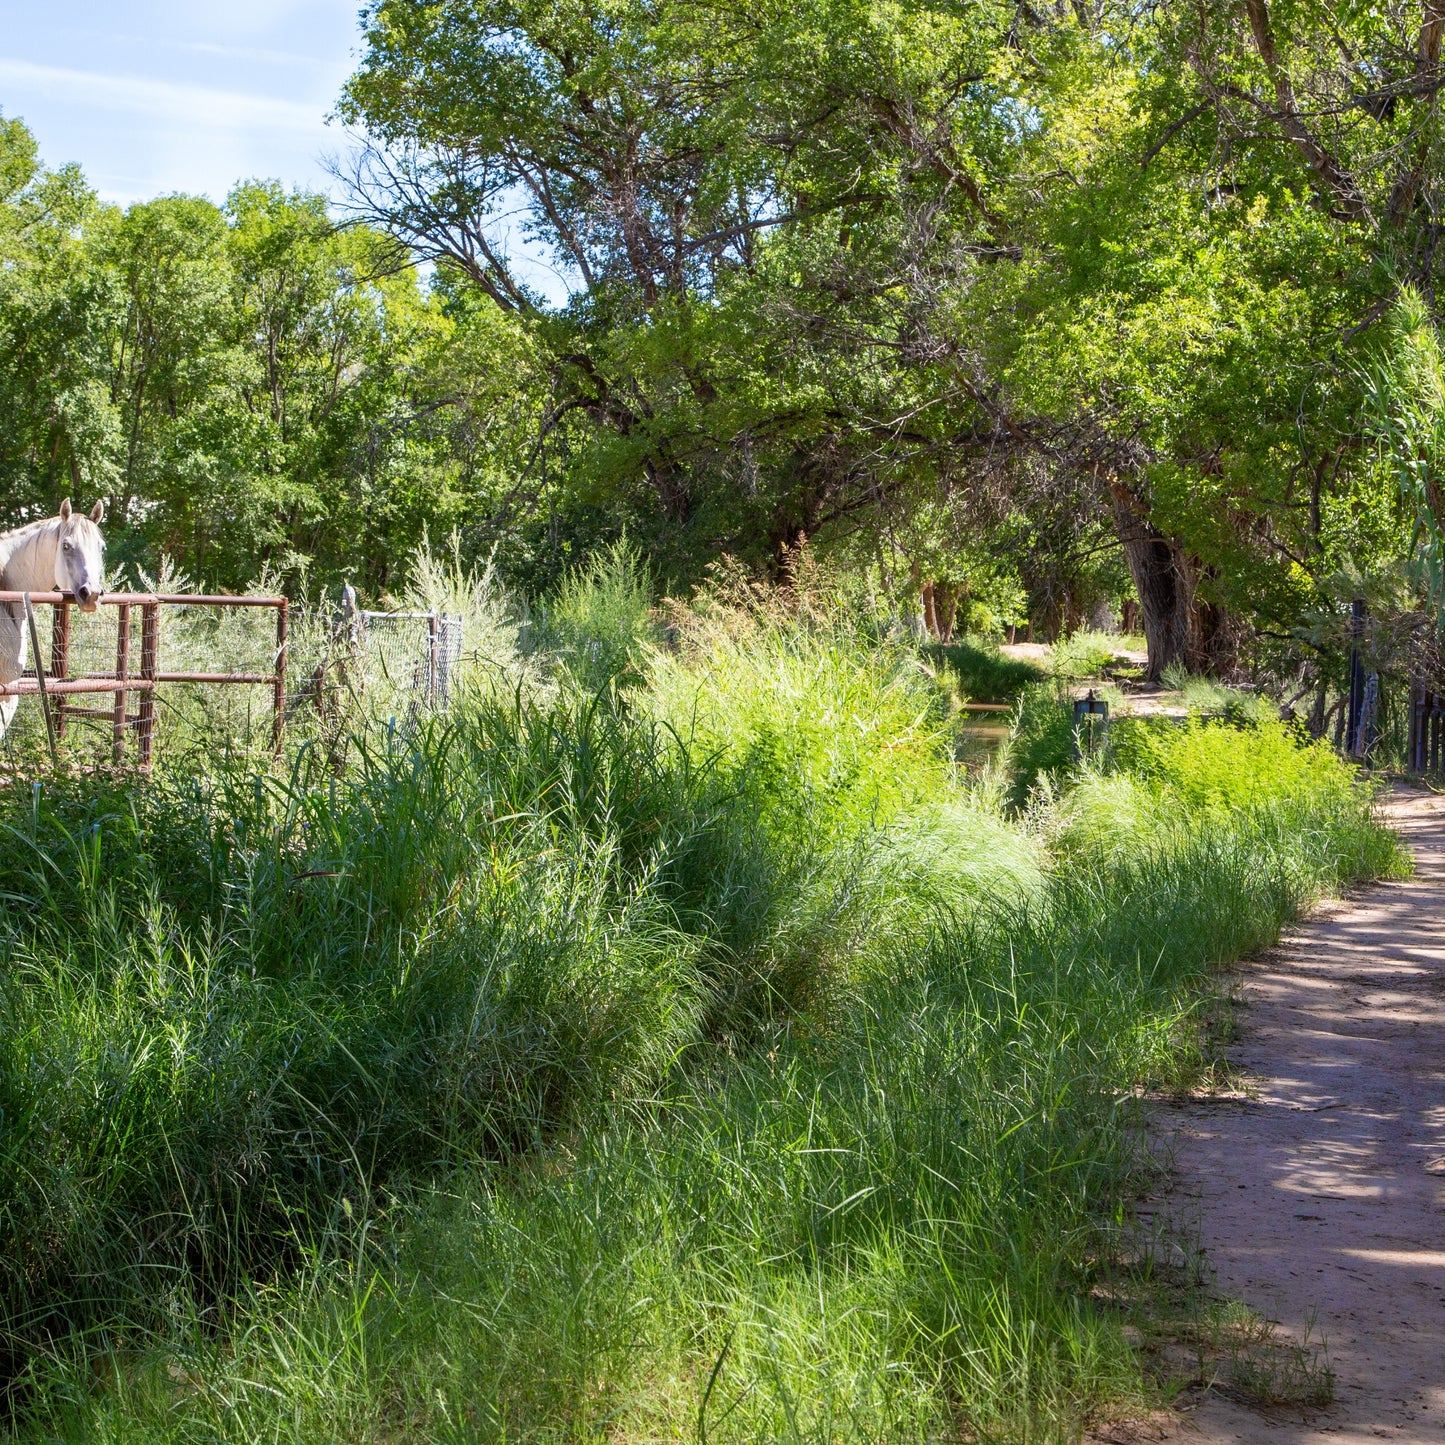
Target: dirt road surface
[{"x": 1321, "y": 1197}]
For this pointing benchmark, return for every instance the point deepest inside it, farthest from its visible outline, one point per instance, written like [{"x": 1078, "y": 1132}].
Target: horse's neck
[
  {"x": 27, "y": 559},
  {"x": 27, "y": 564}
]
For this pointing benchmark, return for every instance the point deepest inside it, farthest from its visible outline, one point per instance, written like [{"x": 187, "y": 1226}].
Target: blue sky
[{"x": 156, "y": 96}]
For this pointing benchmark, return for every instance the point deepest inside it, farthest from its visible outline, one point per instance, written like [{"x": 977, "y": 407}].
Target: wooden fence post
[
  {"x": 149, "y": 651},
  {"x": 122, "y": 674}
]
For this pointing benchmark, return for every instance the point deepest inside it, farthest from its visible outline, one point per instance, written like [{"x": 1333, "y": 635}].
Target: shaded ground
[{"x": 1318, "y": 1196}]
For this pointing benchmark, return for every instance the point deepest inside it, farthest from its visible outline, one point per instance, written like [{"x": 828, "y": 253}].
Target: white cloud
[{"x": 171, "y": 101}]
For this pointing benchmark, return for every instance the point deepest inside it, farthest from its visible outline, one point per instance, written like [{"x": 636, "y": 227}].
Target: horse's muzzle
[{"x": 89, "y": 600}]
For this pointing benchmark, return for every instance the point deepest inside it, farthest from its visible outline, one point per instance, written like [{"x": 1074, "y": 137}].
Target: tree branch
[
  {"x": 1336, "y": 181},
  {"x": 1192, "y": 114}
]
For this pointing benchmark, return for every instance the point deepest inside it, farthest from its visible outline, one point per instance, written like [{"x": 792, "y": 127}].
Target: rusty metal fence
[{"x": 133, "y": 668}]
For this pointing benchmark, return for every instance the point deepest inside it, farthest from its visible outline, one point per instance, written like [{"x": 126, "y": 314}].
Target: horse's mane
[
  {"x": 14, "y": 541},
  {"x": 79, "y": 523},
  {"x": 82, "y": 526}
]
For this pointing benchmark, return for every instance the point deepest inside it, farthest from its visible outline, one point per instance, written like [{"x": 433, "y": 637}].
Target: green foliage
[
  {"x": 587, "y": 1061},
  {"x": 268, "y": 991},
  {"x": 1219, "y": 766},
  {"x": 1041, "y": 740},
  {"x": 880, "y": 1229},
  {"x": 982, "y": 673},
  {"x": 967, "y": 320},
  {"x": 600, "y": 621},
  {"x": 248, "y": 386},
  {"x": 845, "y": 732},
  {"x": 1405, "y": 397},
  {"x": 1084, "y": 654}
]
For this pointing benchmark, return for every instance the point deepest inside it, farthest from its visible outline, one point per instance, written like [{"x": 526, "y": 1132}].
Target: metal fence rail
[
  {"x": 110, "y": 670},
  {"x": 408, "y": 660}
]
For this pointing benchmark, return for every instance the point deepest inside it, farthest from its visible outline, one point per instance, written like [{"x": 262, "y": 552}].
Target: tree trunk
[
  {"x": 1213, "y": 639},
  {"x": 1179, "y": 625},
  {"x": 945, "y": 608},
  {"x": 1163, "y": 578},
  {"x": 930, "y": 613}
]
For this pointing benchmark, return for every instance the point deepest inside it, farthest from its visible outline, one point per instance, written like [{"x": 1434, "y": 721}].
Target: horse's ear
[
  {"x": 65, "y": 510},
  {"x": 97, "y": 512}
]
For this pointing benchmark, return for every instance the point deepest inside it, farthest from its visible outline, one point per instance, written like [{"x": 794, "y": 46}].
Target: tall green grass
[
  {"x": 697, "y": 1057},
  {"x": 599, "y": 624},
  {"x": 981, "y": 672}
]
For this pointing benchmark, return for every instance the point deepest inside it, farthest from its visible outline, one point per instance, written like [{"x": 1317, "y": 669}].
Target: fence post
[
  {"x": 283, "y": 632},
  {"x": 122, "y": 674},
  {"x": 431, "y": 668},
  {"x": 60, "y": 659},
  {"x": 1354, "y": 714},
  {"x": 149, "y": 650},
  {"x": 40, "y": 683}
]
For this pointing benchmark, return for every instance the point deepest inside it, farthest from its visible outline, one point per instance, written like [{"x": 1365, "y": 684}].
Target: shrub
[
  {"x": 600, "y": 621},
  {"x": 1215, "y": 766},
  {"x": 1084, "y": 654}
]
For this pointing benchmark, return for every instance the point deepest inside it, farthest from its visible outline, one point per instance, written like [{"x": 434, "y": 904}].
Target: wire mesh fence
[
  {"x": 393, "y": 665},
  {"x": 340, "y": 668},
  {"x": 417, "y": 652}
]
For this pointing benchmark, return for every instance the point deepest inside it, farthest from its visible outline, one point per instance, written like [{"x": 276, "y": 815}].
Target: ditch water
[{"x": 984, "y": 734}]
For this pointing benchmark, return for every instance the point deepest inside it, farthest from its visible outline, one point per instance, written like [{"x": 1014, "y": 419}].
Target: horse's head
[{"x": 80, "y": 557}]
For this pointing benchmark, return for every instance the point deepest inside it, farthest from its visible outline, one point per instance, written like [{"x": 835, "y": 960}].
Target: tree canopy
[{"x": 1019, "y": 308}]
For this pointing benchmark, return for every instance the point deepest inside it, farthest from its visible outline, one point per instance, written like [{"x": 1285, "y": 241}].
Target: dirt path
[{"x": 1322, "y": 1196}]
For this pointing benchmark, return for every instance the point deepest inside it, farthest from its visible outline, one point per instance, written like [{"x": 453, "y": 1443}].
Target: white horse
[{"x": 65, "y": 552}]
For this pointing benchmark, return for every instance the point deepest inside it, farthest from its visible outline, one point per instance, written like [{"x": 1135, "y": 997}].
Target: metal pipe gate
[{"x": 60, "y": 685}]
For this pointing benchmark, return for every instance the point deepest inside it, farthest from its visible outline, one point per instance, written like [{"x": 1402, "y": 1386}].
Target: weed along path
[{"x": 1319, "y": 1197}]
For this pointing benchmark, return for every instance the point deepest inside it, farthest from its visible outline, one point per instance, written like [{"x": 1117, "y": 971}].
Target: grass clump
[
  {"x": 699, "y": 1055},
  {"x": 980, "y": 672},
  {"x": 600, "y": 622}
]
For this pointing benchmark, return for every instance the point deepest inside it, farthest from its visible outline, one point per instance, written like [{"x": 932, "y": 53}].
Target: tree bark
[
  {"x": 945, "y": 608},
  {"x": 1180, "y": 626},
  {"x": 1163, "y": 578},
  {"x": 1407, "y": 187},
  {"x": 930, "y": 613}
]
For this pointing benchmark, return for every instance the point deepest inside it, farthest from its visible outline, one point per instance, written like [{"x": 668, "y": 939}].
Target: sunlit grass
[{"x": 701, "y": 1055}]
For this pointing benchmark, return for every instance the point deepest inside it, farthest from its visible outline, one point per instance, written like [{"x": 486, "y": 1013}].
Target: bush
[
  {"x": 287, "y": 994},
  {"x": 265, "y": 993},
  {"x": 1214, "y": 766},
  {"x": 600, "y": 621},
  {"x": 889, "y": 1228},
  {"x": 1084, "y": 654}
]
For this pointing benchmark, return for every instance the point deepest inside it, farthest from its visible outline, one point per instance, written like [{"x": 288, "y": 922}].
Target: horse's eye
[{"x": 70, "y": 546}]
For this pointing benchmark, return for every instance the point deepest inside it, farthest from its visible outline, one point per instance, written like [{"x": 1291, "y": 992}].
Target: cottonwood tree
[
  {"x": 1222, "y": 202},
  {"x": 749, "y": 205},
  {"x": 60, "y": 430},
  {"x": 250, "y": 386}
]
